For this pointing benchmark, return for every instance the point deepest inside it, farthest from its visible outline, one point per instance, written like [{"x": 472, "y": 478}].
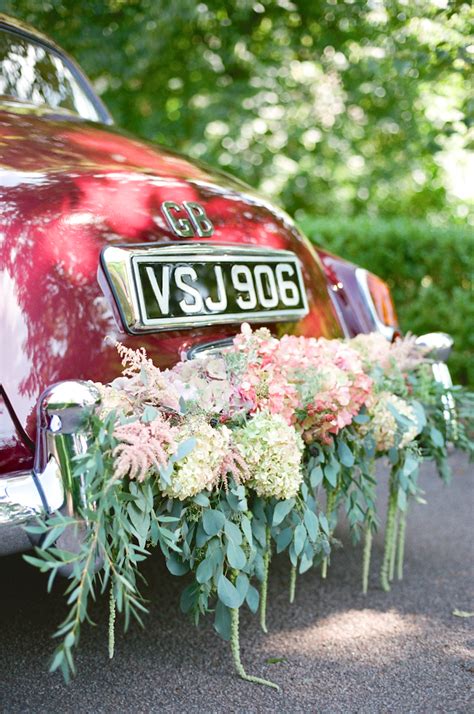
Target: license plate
[{"x": 189, "y": 285}]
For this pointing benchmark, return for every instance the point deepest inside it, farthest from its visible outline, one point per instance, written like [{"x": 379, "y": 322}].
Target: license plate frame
[{"x": 126, "y": 266}]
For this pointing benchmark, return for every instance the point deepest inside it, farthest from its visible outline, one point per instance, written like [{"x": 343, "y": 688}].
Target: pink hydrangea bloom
[
  {"x": 262, "y": 380},
  {"x": 322, "y": 380}
]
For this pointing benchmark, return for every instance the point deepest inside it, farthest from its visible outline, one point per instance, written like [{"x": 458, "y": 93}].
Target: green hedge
[{"x": 429, "y": 270}]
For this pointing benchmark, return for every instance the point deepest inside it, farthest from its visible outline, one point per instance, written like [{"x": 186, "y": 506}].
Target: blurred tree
[{"x": 333, "y": 107}]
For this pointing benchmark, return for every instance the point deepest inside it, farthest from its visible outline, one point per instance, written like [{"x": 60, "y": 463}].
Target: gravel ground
[{"x": 402, "y": 651}]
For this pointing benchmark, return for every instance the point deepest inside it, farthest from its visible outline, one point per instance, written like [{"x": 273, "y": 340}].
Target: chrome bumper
[
  {"x": 61, "y": 435},
  {"x": 440, "y": 345}
]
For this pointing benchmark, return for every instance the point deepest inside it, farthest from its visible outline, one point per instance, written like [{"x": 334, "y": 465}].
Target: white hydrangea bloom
[
  {"x": 411, "y": 432},
  {"x": 383, "y": 425},
  {"x": 200, "y": 469},
  {"x": 272, "y": 450}
]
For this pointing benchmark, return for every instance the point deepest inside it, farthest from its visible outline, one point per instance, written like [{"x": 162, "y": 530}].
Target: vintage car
[{"x": 104, "y": 237}]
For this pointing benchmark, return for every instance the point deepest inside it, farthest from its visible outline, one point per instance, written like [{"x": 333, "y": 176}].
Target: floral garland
[{"x": 223, "y": 459}]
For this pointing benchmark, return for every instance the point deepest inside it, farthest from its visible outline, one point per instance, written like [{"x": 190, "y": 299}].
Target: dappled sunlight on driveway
[{"x": 350, "y": 631}]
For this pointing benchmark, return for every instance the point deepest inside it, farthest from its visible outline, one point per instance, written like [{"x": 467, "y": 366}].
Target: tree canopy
[{"x": 330, "y": 106}]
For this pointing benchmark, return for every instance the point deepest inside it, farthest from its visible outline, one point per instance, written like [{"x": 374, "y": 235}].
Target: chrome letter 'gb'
[{"x": 196, "y": 222}]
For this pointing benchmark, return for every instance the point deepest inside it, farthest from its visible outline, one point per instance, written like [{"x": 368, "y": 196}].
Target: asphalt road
[{"x": 398, "y": 652}]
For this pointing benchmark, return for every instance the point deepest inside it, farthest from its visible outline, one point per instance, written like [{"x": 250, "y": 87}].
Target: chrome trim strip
[
  {"x": 120, "y": 267},
  {"x": 386, "y": 330},
  {"x": 209, "y": 348},
  {"x": 338, "y": 311}
]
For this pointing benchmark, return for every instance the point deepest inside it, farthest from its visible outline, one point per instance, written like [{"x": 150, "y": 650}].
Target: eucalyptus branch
[{"x": 70, "y": 628}]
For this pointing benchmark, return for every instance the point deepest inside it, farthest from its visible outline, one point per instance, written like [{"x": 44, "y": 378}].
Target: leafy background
[{"x": 353, "y": 115}]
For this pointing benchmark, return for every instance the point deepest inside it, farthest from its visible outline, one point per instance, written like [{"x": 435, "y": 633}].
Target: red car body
[{"x": 71, "y": 187}]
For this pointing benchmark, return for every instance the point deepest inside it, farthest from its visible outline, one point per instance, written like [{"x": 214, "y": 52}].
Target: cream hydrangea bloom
[
  {"x": 383, "y": 425},
  {"x": 272, "y": 450},
  {"x": 201, "y": 468},
  {"x": 112, "y": 397}
]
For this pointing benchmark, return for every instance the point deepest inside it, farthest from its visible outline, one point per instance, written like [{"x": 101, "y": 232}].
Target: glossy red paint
[
  {"x": 16, "y": 452},
  {"x": 67, "y": 189}
]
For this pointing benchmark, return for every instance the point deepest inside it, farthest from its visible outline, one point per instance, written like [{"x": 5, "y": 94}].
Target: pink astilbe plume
[
  {"x": 233, "y": 464},
  {"x": 143, "y": 447},
  {"x": 407, "y": 354},
  {"x": 146, "y": 382},
  {"x": 402, "y": 355}
]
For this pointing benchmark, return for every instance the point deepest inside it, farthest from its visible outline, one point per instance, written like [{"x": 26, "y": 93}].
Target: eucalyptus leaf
[
  {"x": 305, "y": 564},
  {"x": 410, "y": 465},
  {"x": 323, "y": 522},
  {"x": 201, "y": 536},
  {"x": 222, "y": 620},
  {"x": 149, "y": 414},
  {"x": 242, "y": 585},
  {"x": 312, "y": 524},
  {"x": 436, "y": 437},
  {"x": 165, "y": 473},
  {"x": 213, "y": 521},
  {"x": 228, "y": 593},
  {"x": 316, "y": 476},
  {"x": 393, "y": 455},
  {"x": 346, "y": 457},
  {"x": 205, "y": 570},
  {"x": 284, "y": 539},
  {"x": 247, "y": 529},
  {"x": 201, "y": 499},
  {"x": 259, "y": 531},
  {"x": 252, "y": 598},
  {"x": 299, "y": 538},
  {"x": 235, "y": 555},
  {"x": 281, "y": 510},
  {"x": 233, "y": 532},
  {"x": 176, "y": 566},
  {"x": 184, "y": 449},
  {"x": 331, "y": 471},
  {"x": 361, "y": 419}
]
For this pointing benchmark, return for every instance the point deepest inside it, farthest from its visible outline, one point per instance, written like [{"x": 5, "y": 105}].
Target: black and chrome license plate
[{"x": 189, "y": 285}]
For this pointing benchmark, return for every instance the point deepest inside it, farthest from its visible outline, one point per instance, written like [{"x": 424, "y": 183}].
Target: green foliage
[
  {"x": 224, "y": 538},
  {"x": 329, "y": 106},
  {"x": 429, "y": 270},
  {"x": 111, "y": 536}
]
